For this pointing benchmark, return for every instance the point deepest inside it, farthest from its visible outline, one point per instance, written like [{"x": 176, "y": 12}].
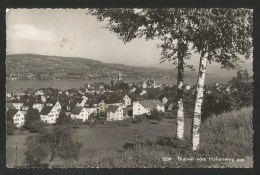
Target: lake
[{"x": 12, "y": 85}]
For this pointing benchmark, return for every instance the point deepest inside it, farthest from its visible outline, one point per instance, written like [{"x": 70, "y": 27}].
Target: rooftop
[{"x": 112, "y": 108}]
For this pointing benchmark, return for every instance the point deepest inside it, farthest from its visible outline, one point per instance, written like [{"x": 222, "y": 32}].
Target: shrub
[
  {"x": 139, "y": 119},
  {"x": 10, "y": 127},
  {"x": 36, "y": 126},
  {"x": 31, "y": 116},
  {"x": 63, "y": 119},
  {"x": 172, "y": 142},
  {"x": 155, "y": 115},
  {"x": 59, "y": 141}
]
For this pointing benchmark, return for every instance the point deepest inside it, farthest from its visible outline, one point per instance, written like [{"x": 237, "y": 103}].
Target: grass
[
  {"x": 99, "y": 138},
  {"x": 229, "y": 135}
]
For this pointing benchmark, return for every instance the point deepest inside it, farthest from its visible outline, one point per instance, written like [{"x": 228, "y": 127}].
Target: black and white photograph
[{"x": 129, "y": 88}]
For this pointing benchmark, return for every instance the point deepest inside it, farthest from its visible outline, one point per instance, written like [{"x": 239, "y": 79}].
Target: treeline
[{"x": 236, "y": 94}]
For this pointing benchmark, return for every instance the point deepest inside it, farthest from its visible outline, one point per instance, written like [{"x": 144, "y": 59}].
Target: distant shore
[{"x": 12, "y": 85}]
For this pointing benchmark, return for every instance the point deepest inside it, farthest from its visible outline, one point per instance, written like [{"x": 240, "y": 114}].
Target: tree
[
  {"x": 222, "y": 36},
  {"x": 10, "y": 127},
  {"x": 59, "y": 141},
  {"x": 32, "y": 117},
  {"x": 63, "y": 119},
  {"x": 168, "y": 25},
  {"x": 155, "y": 115},
  {"x": 241, "y": 87}
]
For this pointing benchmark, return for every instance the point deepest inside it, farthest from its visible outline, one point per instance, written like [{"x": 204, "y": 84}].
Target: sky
[{"x": 73, "y": 33}]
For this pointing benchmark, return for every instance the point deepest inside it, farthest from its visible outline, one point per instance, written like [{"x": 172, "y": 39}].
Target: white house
[
  {"x": 144, "y": 85},
  {"x": 55, "y": 104},
  {"x": 81, "y": 102},
  {"x": 187, "y": 87},
  {"x": 43, "y": 99},
  {"x": 143, "y": 92},
  {"x": 39, "y": 92},
  {"x": 17, "y": 116},
  {"x": 127, "y": 100},
  {"x": 114, "y": 113},
  {"x": 133, "y": 89},
  {"x": 49, "y": 114},
  {"x": 8, "y": 95},
  {"x": 146, "y": 106},
  {"x": 165, "y": 100},
  {"x": 38, "y": 106},
  {"x": 80, "y": 113},
  {"x": 93, "y": 110}
]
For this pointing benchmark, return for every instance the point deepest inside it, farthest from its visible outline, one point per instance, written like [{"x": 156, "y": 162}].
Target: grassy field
[
  {"x": 96, "y": 139},
  {"x": 228, "y": 136},
  {"x": 226, "y": 141}
]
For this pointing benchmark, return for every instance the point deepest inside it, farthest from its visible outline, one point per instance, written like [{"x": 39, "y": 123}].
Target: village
[
  {"x": 111, "y": 102},
  {"x": 129, "y": 88}
]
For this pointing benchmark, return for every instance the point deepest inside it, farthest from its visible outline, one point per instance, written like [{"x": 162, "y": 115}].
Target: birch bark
[
  {"x": 180, "y": 115},
  {"x": 199, "y": 98}
]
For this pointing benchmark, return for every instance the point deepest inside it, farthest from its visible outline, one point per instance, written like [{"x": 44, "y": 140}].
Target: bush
[
  {"x": 10, "y": 127},
  {"x": 31, "y": 116},
  {"x": 63, "y": 119},
  {"x": 172, "y": 142},
  {"x": 22, "y": 128},
  {"x": 44, "y": 147},
  {"x": 155, "y": 115},
  {"x": 36, "y": 126},
  {"x": 139, "y": 118}
]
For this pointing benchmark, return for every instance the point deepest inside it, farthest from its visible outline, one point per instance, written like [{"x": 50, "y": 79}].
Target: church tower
[{"x": 119, "y": 76}]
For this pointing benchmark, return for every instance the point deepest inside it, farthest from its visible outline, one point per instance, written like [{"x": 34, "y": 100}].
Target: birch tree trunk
[
  {"x": 199, "y": 99},
  {"x": 180, "y": 114}
]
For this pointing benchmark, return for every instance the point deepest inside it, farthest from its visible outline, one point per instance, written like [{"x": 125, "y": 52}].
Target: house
[
  {"x": 150, "y": 83},
  {"x": 146, "y": 106},
  {"x": 39, "y": 92},
  {"x": 127, "y": 112},
  {"x": 165, "y": 100},
  {"x": 38, "y": 106},
  {"x": 16, "y": 116},
  {"x": 187, "y": 87},
  {"x": 93, "y": 110},
  {"x": 81, "y": 101},
  {"x": 8, "y": 95},
  {"x": 144, "y": 85},
  {"x": 101, "y": 87},
  {"x": 170, "y": 107},
  {"x": 49, "y": 114},
  {"x": 24, "y": 108},
  {"x": 55, "y": 104},
  {"x": 133, "y": 89},
  {"x": 17, "y": 105},
  {"x": 102, "y": 105},
  {"x": 143, "y": 92},
  {"x": 19, "y": 93},
  {"x": 79, "y": 113},
  {"x": 114, "y": 113},
  {"x": 126, "y": 100},
  {"x": 43, "y": 98}
]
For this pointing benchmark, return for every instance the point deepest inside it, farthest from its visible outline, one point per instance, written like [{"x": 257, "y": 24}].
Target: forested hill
[{"x": 32, "y": 66}]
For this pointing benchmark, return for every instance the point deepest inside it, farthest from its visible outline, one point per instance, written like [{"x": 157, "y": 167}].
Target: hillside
[
  {"x": 32, "y": 66},
  {"x": 229, "y": 135}
]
